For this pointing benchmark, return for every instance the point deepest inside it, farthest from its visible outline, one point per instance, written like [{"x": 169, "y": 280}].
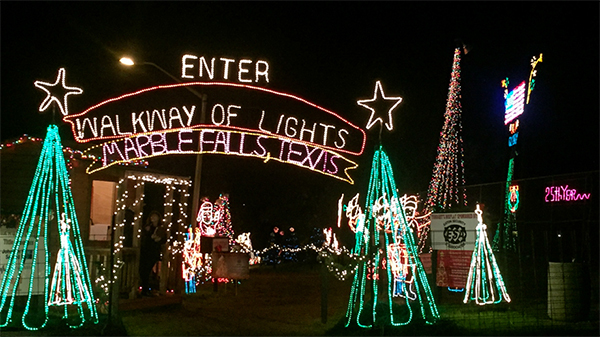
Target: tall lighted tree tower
[
  {"x": 386, "y": 244},
  {"x": 31, "y": 285},
  {"x": 445, "y": 189}
]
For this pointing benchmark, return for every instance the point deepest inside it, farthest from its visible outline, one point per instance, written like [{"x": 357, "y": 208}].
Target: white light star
[
  {"x": 63, "y": 91},
  {"x": 376, "y": 95}
]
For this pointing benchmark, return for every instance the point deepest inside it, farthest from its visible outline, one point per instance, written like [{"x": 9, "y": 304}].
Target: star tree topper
[
  {"x": 56, "y": 93},
  {"x": 374, "y": 102}
]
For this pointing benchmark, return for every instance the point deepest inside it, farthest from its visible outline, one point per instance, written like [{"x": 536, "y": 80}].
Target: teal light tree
[
  {"x": 25, "y": 290},
  {"x": 389, "y": 264},
  {"x": 484, "y": 283},
  {"x": 445, "y": 188}
]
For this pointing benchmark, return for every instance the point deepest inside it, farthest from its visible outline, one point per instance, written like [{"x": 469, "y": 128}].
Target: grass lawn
[
  {"x": 286, "y": 301},
  {"x": 282, "y": 301}
]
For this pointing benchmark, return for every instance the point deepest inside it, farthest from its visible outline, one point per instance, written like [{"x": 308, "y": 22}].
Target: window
[{"x": 102, "y": 209}]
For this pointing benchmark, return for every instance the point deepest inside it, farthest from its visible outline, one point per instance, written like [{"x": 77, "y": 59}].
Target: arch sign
[{"x": 242, "y": 119}]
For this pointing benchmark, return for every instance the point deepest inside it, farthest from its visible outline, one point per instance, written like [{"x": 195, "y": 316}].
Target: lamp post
[{"x": 198, "y": 172}]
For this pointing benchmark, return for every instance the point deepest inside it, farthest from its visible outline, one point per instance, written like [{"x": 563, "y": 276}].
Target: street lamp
[{"x": 198, "y": 173}]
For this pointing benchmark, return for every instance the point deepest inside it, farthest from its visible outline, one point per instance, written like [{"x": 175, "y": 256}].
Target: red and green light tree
[{"x": 445, "y": 188}]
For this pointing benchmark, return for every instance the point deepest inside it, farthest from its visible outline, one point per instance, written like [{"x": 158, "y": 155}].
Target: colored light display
[
  {"x": 532, "y": 75},
  {"x": 484, "y": 283},
  {"x": 71, "y": 154},
  {"x": 213, "y": 220},
  {"x": 512, "y": 140},
  {"x": 420, "y": 223},
  {"x": 564, "y": 193},
  {"x": 320, "y": 127},
  {"x": 505, "y": 237},
  {"x": 378, "y": 95},
  {"x": 68, "y": 285},
  {"x": 513, "y": 199},
  {"x": 391, "y": 264},
  {"x": 515, "y": 103},
  {"x": 177, "y": 229},
  {"x": 226, "y": 142},
  {"x": 445, "y": 189},
  {"x": 51, "y": 90},
  {"x": 261, "y": 69},
  {"x": 246, "y": 247},
  {"x": 506, "y": 233},
  {"x": 49, "y": 196}
]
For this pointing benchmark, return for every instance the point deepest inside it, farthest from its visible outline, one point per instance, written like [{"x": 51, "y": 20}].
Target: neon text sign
[
  {"x": 247, "y": 71},
  {"x": 241, "y": 120},
  {"x": 564, "y": 193}
]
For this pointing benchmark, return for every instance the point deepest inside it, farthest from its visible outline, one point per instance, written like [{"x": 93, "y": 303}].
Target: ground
[{"x": 286, "y": 301}]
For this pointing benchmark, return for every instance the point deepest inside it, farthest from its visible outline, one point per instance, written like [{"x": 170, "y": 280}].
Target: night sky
[{"x": 330, "y": 54}]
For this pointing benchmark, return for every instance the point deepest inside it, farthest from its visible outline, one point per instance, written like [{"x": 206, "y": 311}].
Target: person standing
[{"x": 152, "y": 238}]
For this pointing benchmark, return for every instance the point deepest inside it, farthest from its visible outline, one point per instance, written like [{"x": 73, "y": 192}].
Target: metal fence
[{"x": 552, "y": 275}]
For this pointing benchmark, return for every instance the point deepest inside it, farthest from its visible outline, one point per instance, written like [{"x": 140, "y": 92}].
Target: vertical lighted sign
[
  {"x": 515, "y": 103},
  {"x": 514, "y": 106}
]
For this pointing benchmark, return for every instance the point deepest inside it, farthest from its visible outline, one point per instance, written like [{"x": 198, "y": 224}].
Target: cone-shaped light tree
[
  {"x": 445, "y": 188},
  {"x": 389, "y": 265},
  {"x": 448, "y": 172},
  {"x": 484, "y": 283},
  {"x": 24, "y": 290},
  {"x": 49, "y": 207}
]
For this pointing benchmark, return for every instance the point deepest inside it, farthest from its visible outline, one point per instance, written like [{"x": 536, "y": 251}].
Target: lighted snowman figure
[{"x": 67, "y": 285}]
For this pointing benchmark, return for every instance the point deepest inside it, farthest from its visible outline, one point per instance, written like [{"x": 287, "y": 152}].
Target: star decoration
[
  {"x": 371, "y": 103},
  {"x": 55, "y": 93}
]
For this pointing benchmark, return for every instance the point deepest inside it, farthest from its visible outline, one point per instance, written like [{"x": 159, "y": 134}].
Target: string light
[
  {"x": 78, "y": 126},
  {"x": 564, "y": 193},
  {"x": 227, "y": 142},
  {"x": 68, "y": 286},
  {"x": 72, "y": 154},
  {"x": 532, "y": 75},
  {"x": 50, "y": 97},
  {"x": 176, "y": 239},
  {"x": 378, "y": 95},
  {"x": 49, "y": 196},
  {"x": 515, "y": 103},
  {"x": 448, "y": 170},
  {"x": 513, "y": 199},
  {"x": 389, "y": 249},
  {"x": 506, "y": 232},
  {"x": 484, "y": 283}
]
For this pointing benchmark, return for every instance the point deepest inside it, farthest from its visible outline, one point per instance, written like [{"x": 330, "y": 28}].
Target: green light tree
[
  {"x": 389, "y": 269},
  {"x": 386, "y": 237},
  {"x": 28, "y": 271}
]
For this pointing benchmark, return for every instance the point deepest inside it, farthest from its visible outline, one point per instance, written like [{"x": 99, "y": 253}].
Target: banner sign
[
  {"x": 240, "y": 119},
  {"x": 453, "y": 231},
  {"x": 453, "y": 268}
]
